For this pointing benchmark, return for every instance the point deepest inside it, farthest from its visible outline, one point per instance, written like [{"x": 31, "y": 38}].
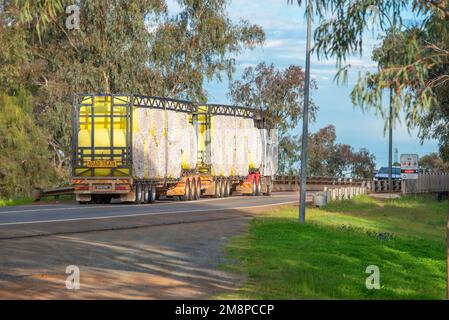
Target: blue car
[{"x": 382, "y": 174}]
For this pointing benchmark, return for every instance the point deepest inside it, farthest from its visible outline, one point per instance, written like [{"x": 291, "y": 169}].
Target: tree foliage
[
  {"x": 280, "y": 94},
  {"x": 432, "y": 162},
  {"x": 413, "y": 60},
  {"x": 24, "y": 160},
  {"x": 196, "y": 45},
  {"x": 120, "y": 46},
  {"x": 329, "y": 158}
]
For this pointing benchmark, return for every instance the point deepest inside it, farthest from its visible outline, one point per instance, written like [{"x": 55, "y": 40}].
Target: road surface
[{"x": 166, "y": 250}]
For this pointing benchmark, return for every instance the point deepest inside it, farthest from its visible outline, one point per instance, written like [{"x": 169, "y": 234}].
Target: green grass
[
  {"x": 16, "y": 201},
  {"x": 30, "y": 200},
  {"x": 327, "y": 257}
]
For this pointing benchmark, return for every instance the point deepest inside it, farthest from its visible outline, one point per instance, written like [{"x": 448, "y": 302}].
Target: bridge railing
[
  {"x": 427, "y": 183},
  {"x": 295, "y": 180},
  {"x": 384, "y": 185}
]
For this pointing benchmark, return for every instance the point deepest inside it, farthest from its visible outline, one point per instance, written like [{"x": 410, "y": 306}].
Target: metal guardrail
[
  {"x": 325, "y": 181},
  {"x": 377, "y": 186}
]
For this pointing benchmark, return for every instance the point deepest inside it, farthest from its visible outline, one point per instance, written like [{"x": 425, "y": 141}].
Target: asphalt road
[
  {"x": 44, "y": 219},
  {"x": 33, "y": 214},
  {"x": 166, "y": 250}
]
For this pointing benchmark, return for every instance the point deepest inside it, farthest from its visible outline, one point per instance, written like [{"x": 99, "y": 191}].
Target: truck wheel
[
  {"x": 139, "y": 193},
  {"x": 146, "y": 194},
  {"x": 254, "y": 188},
  {"x": 198, "y": 188},
  {"x": 193, "y": 189},
  {"x": 187, "y": 192},
  {"x": 227, "y": 188},
  {"x": 196, "y": 185},
  {"x": 217, "y": 188},
  {"x": 152, "y": 194},
  {"x": 259, "y": 187},
  {"x": 222, "y": 188},
  {"x": 268, "y": 193}
]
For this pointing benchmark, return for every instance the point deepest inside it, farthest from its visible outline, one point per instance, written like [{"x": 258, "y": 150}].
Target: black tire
[
  {"x": 84, "y": 202},
  {"x": 222, "y": 188},
  {"x": 191, "y": 190},
  {"x": 187, "y": 192},
  {"x": 259, "y": 187},
  {"x": 139, "y": 193},
  {"x": 146, "y": 194},
  {"x": 195, "y": 195},
  {"x": 268, "y": 193},
  {"x": 198, "y": 188},
  {"x": 227, "y": 188},
  {"x": 152, "y": 194},
  {"x": 217, "y": 188}
]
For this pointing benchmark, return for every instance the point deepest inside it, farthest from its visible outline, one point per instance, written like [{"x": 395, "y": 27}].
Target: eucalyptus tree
[
  {"x": 120, "y": 46},
  {"x": 412, "y": 60},
  {"x": 279, "y": 93}
]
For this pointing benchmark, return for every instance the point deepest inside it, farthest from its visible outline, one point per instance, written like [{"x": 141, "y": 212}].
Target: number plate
[
  {"x": 101, "y": 163},
  {"x": 102, "y": 187}
]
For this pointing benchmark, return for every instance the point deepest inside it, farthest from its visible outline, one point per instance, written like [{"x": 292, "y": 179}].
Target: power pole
[
  {"x": 390, "y": 144},
  {"x": 305, "y": 120}
]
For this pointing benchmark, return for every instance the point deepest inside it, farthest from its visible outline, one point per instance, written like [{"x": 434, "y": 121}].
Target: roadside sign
[{"x": 409, "y": 166}]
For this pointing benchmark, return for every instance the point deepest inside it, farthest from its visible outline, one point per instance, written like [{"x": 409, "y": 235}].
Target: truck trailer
[{"x": 138, "y": 148}]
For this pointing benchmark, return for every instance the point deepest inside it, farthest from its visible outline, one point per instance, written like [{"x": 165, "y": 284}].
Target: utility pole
[
  {"x": 305, "y": 120},
  {"x": 390, "y": 144}
]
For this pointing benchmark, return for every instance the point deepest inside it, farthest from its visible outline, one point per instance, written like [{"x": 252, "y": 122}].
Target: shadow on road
[{"x": 174, "y": 261}]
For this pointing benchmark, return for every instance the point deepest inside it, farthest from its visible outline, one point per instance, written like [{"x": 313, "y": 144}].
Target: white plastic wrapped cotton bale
[
  {"x": 141, "y": 142},
  {"x": 189, "y": 142},
  {"x": 157, "y": 144},
  {"x": 254, "y": 144},
  {"x": 139, "y": 134},
  {"x": 217, "y": 145},
  {"x": 241, "y": 148},
  {"x": 174, "y": 128},
  {"x": 229, "y": 144},
  {"x": 258, "y": 149},
  {"x": 193, "y": 146},
  {"x": 223, "y": 144}
]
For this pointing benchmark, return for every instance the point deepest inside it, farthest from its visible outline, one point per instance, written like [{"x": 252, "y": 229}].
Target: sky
[{"x": 285, "y": 29}]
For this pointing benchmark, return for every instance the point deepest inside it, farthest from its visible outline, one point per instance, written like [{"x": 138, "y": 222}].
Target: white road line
[
  {"x": 146, "y": 214},
  {"x": 82, "y": 207}
]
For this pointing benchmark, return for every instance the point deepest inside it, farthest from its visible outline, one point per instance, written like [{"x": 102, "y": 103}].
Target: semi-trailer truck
[{"x": 138, "y": 148}]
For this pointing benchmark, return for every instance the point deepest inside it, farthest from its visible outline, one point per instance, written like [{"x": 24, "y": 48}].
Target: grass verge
[
  {"x": 327, "y": 258},
  {"x": 30, "y": 200}
]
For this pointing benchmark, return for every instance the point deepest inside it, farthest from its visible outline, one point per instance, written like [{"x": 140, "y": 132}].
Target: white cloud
[{"x": 274, "y": 43}]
